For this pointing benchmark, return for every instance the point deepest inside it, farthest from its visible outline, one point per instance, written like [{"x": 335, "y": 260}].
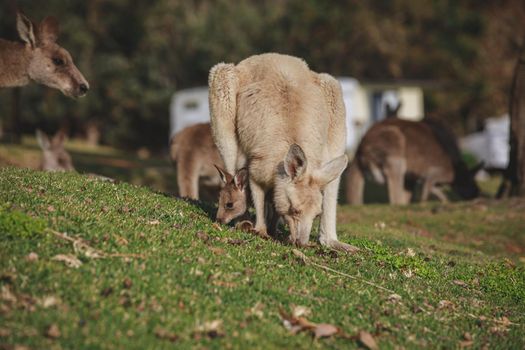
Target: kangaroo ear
[
  {"x": 399, "y": 104},
  {"x": 331, "y": 170},
  {"x": 241, "y": 178},
  {"x": 225, "y": 176},
  {"x": 43, "y": 140},
  {"x": 48, "y": 30},
  {"x": 59, "y": 138},
  {"x": 25, "y": 29},
  {"x": 295, "y": 162}
]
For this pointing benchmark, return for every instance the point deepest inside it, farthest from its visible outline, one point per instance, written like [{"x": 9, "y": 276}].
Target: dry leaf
[
  {"x": 202, "y": 236},
  {"x": 154, "y": 222},
  {"x": 162, "y": 333},
  {"x": 296, "y": 324},
  {"x": 410, "y": 252},
  {"x": 4, "y": 332},
  {"x": 394, "y": 298},
  {"x": 52, "y": 331},
  {"x": 408, "y": 273},
  {"x": 235, "y": 241},
  {"x": 367, "y": 340},
  {"x": 216, "y": 226},
  {"x": 465, "y": 344},
  {"x": 217, "y": 250},
  {"x": 121, "y": 240},
  {"x": 325, "y": 330},
  {"x": 211, "y": 329},
  {"x": 460, "y": 283},
  {"x": 49, "y": 301},
  {"x": 68, "y": 259},
  {"x": 7, "y": 295},
  {"x": 257, "y": 310},
  {"x": 380, "y": 225},
  {"x": 50, "y": 208},
  {"x": 467, "y": 336},
  {"x": 299, "y": 311},
  {"x": 224, "y": 284},
  {"x": 32, "y": 256},
  {"x": 128, "y": 283},
  {"x": 445, "y": 304}
]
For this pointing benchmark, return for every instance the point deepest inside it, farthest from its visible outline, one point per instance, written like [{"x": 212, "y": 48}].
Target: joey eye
[
  {"x": 229, "y": 205},
  {"x": 57, "y": 61}
]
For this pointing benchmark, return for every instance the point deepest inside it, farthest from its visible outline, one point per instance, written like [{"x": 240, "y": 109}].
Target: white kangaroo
[{"x": 289, "y": 123}]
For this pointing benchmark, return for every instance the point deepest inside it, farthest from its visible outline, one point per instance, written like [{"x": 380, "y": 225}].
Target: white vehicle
[
  {"x": 364, "y": 101},
  {"x": 492, "y": 144}
]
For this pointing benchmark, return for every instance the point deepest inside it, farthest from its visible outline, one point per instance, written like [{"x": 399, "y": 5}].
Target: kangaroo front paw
[
  {"x": 262, "y": 233},
  {"x": 340, "y": 246}
]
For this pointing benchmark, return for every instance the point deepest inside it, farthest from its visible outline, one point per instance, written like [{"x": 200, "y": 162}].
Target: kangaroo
[
  {"x": 395, "y": 150},
  {"x": 193, "y": 151},
  {"x": 54, "y": 155},
  {"x": 289, "y": 123},
  {"x": 39, "y": 59},
  {"x": 233, "y": 197}
]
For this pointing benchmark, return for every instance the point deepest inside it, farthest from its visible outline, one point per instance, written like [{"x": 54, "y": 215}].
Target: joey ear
[
  {"x": 48, "y": 30},
  {"x": 43, "y": 140},
  {"x": 295, "y": 162},
  {"x": 331, "y": 170},
  {"x": 25, "y": 29},
  {"x": 225, "y": 176},
  {"x": 241, "y": 178}
]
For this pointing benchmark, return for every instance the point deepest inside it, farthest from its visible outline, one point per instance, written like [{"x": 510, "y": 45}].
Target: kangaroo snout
[{"x": 83, "y": 89}]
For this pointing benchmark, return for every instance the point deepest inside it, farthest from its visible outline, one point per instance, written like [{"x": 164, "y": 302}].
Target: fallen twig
[
  {"x": 79, "y": 245},
  {"x": 306, "y": 260}
]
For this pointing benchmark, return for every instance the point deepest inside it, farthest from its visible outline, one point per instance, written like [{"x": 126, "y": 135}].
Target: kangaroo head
[
  {"x": 232, "y": 197},
  {"x": 464, "y": 182},
  {"x": 50, "y": 64},
  {"x": 298, "y": 191},
  {"x": 54, "y": 155},
  {"x": 392, "y": 112}
]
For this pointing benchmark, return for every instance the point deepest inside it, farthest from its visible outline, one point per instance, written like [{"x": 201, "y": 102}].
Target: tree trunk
[{"x": 514, "y": 182}]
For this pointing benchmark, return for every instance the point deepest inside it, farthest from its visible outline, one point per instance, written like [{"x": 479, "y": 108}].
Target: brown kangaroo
[
  {"x": 233, "y": 197},
  {"x": 395, "y": 150},
  {"x": 54, "y": 155},
  {"x": 39, "y": 59},
  {"x": 193, "y": 151}
]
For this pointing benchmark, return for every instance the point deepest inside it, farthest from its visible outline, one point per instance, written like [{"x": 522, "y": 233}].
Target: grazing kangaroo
[
  {"x": 54, "y": 155},
  {"x": 193, "y": 151},
  {"x": 39, "y": 59},
  {"x": 395, "y": 150},
  {"x": 289, "y": 123}
]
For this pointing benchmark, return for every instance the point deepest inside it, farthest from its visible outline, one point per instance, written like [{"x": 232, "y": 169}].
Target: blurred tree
[{"x": 136, "y": 54}]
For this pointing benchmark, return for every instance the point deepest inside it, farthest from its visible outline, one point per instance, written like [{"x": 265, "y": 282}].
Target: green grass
[{"x": 458, "y": 268}]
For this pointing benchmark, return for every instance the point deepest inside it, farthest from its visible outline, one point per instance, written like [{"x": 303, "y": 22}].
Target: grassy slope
[{"x": 186, "y": 280}]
